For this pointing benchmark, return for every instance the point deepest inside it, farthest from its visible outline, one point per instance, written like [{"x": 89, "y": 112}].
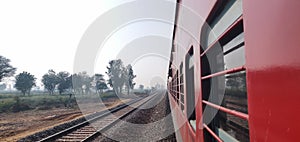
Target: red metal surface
[
  {"x": 181, "y": 122},
  {"x": 233, "y": 112},
  {"x": 272, "y": 42},
  {"x": 224, "y": 72}
]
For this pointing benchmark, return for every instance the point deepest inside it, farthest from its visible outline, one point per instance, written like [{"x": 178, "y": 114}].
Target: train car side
[{"x": 236, "y": 63}]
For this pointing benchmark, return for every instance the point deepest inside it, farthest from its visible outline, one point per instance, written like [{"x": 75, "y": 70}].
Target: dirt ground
[{"x": 14, "y": 126}]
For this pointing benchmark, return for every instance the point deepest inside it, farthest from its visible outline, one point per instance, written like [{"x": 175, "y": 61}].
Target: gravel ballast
[{"x": 150, "y": 122}]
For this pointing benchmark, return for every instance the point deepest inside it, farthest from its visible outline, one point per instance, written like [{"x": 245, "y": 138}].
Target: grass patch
[
  {"x": 6, "y": 105},
  {"x": 17, "y": 102}
]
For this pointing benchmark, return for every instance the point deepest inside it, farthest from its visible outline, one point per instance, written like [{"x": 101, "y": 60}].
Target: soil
[{"x": 14, "y": 126}]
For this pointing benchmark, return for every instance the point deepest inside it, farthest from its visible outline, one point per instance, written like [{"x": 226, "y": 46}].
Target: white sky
[{"x": 38, "y": 35}]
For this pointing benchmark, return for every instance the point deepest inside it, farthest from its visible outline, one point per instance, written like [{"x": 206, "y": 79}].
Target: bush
[
  {"x": 5, "y": 105},
  {"x": 108, "y": 95},
  {"x": 15, "y": 103},
  {"x": 5, "y": 96},
  {"x": 20, "y": 107}
]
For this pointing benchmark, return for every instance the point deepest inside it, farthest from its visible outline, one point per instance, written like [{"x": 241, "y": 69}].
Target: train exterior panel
[{"x": 234, "y": 70}]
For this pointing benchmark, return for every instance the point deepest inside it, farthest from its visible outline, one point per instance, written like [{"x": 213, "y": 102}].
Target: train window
[
  {"x": 228, "y": 126},
  {"x": 237, "y": 42},
  {"x": 190, "y": 87},
  {"x": 235, "y": 98},
  {"x": 235, "y": 92},
  {"x": 228, "y": 52},
  {"x": 223, "y": 75},
  {"x": 170, "y": 70},
  {"x": 235, "y": 59},
  {"x": 177, "y": 88},
  {"x": 230, "y": 13},
  {"x": 173, "y": 92},
  {"x": 234, "y": 52},
  {"x": 181, "y": 87}
]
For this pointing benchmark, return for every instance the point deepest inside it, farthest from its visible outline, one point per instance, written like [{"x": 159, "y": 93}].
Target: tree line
[
  {"x": 80, "y": 83},
  {"x": 120, "y": 76}
]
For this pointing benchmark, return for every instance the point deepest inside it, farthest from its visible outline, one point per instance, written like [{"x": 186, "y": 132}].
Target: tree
[
  {"x": 64, "y": 81},
  {"x": 86, "y": 82},
  {"x": 141, "y": 87},
  {"x": 82, "y": 82},
  {"x": 115, "y": 74},
  {"x": 120, "y": 76},
  {"x": 6, "y": 70},
  {"x": 24, "y": 82},
  {"x": 50, "y": 80},
  {"x": 100, "y": 84},
  {"x": 129, "y": 76},
  {"x": 77, "y": 83}
]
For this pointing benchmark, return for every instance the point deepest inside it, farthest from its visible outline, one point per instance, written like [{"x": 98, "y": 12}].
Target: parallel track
[{"x": 86, "y": 131}]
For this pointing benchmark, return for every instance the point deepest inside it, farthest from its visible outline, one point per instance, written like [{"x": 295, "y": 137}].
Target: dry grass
[{"x": 14, "y": 126}]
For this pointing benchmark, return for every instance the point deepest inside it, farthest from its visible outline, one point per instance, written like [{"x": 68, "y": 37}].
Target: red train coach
[{"x": 234, "y": 70}]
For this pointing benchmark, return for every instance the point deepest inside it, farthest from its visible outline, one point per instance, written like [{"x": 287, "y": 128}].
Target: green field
[{"x": 18, "y": 102}]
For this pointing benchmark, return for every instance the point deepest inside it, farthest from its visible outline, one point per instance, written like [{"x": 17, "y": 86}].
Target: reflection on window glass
[
  {"x": 232, "y": 128},
  {"x": 191, "y": 61},
  {"x": 231, "y": 56},
  {"x": 233, "y": 43},
  {"x": 193, "y": 124},
  {"x": 181, "y": 87},
  {"x": 229, "y": 127},
  {"x": 190, "y": 87},
  {"x": 235, "y": 58},
  {"x": 235, "y": 92},
  {"x": 231, "y": 12},
  {"x": 235, "y": 98}
]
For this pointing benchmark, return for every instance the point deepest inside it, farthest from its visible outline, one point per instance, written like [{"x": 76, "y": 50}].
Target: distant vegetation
[
  {"x": 24, "y": 82},
  {"x": 16, "y": 103},
  {"x": 61, "y": 86},
  {"x": 6, "y": 70},
  {"x": 120, "y": 76}
]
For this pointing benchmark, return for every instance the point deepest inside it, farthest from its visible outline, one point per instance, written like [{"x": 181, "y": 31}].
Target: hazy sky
[{"x": 41, "y": 35}]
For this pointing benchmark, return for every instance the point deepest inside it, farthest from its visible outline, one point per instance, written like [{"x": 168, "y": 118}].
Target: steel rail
[
  {"x": 106, "y": 127},
  {"x": 87, "y": 122}
]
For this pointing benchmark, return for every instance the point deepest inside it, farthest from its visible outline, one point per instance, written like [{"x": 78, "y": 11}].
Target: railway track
[{"x": 91, "y": 128}]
